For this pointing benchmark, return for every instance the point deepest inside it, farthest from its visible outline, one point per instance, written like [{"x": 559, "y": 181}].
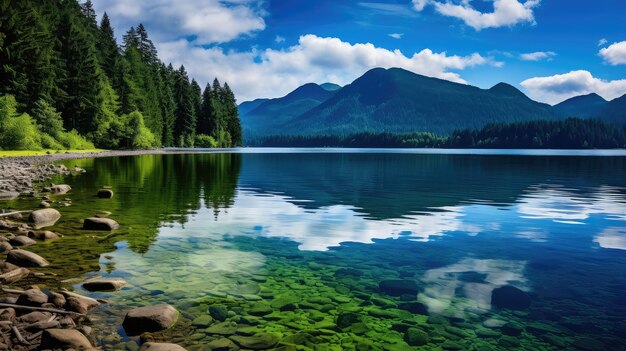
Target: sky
[{"x": 550, "y": 49}]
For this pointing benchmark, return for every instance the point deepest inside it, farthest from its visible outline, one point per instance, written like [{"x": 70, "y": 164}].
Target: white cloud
[
  {"x": 612, "y": 238},
  {"x": 537, "y": 56},
  {"x": 556, "y": 88},
  {"x": 207, "y": 21},
  {"x": 272, "y": 73},
  {"x": 505, "y": 12},
  {"x": 279, "y": 39},
  {"x": 396, "y": 35},
  {"x": 602, "y": 42},
  {"x": 615, "y": 54}
]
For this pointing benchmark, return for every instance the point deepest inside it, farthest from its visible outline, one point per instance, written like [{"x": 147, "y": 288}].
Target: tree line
[
  {"x": 572, "y": 133},
  {"x": 65, "y": 82}
]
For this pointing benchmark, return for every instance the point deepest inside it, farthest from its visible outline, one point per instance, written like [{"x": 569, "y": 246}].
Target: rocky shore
[{"x": 37, "y": 318}]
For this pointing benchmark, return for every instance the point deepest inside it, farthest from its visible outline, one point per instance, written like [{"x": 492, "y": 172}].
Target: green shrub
[
  {"x": 144, "y": 139},
  {"x": 19, "y": 133},
  {"x": 72, "y": 140},
  {"x": 48, "y": 142},
  {"x": 205, "y": 141}
]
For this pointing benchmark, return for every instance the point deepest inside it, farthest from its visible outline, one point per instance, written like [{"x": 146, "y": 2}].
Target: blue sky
[{"x": 550, "y": 49}]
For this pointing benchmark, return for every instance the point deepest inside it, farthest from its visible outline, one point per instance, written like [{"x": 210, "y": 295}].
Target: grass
[{"x": 18, "y": 153}]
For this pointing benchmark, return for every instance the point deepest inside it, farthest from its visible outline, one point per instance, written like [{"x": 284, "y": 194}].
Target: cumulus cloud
[
  {"x": 396, "y": 35},
  {"x": 207, "y": 21},
  {"x": 505, "y": 12},
  {"x": 556, "y": 88},
  {"x": 272, "y": 73},
  {"x": 615, "y": 54},
  {"x": 602, "y": 42},
  {"x": 537, "y": 56}
]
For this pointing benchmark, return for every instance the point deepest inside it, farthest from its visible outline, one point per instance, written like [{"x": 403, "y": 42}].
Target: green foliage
[
  {"x": 205, "y": 141},
  {"x": 19, "y": 133},
  {"x": 62, "y": 66},
  {"x": 141, "y": 137},
  {"x": 73, "y": 141}
]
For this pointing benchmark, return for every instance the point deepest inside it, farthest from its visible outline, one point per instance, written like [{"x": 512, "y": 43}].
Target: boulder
[
  {"x": 222, "y": 344},
  {"x": 7, "y": 315},
  {"x": 44, "y": 218},
  {"x": 9, "y": 195},
  {"x": 153, "y": 346},
  {"x": 5, "y": 246},
  {"x": 255, "y": 342},
  {"x": 44, "y": 204},
  {"x": 149, "y": 319},
  {"x": 510, "y": 297},
  {"x": 6, "y": 267},
  {"x": 14, "y": 276},
  {"x": 25, "y": 258},
  {"x": 60, "y": 189},
  {"x": 57, "y": 299},
  {"x": 22, "y": 240},
  {"x": 64, "y": 339},
  {"x": 43, "y": 235},
  {"x": 219, "y": 312},
  {"x": 96, "y": 223},
  {"x": 398, "y": 287},
  {"x": 105, "y": 193},
  {"x": 78, "y": 303},
  {"x": 416, "y": 337},
  {"x": 104, "y": 284},
  {"x": 34, "y": 317},
  {"x": 32, "y": 297}
]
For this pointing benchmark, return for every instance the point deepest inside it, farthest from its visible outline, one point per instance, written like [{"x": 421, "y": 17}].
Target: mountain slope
[
  {"x": 271, "y": 114},
  {"x": 584, "y": 106},
  {"x": 247, "y": 106},
  {"x": 615, "y": 110},
  {"x": 396, "y": 100}
]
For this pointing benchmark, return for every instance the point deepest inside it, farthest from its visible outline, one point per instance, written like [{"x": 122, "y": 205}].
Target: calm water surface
[{"x": 359, "y": 250}]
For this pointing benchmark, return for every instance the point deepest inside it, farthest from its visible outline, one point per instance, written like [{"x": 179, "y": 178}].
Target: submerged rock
[
  {"x": 398, "y": 287},
  {"x": 64, "y": 339},
  {"x": 256, "y": 342},
  {"x": 9, "y": 195},
  {"x": 104, "y": 284},
  {"x": 96, "y": 223},
  {"x": 44, "y": 218},
  {"x": 60, "y": 189},
  {"x": 150, "y": 319},
  {"x": 219, "y": 312},
  {"x": 346, "y": 319},
  {"x": 105, "y": 193},
  {"x": 14, "y": 276},
  {"x": 152, "y": 346},
  {"x": 416, "y": 337},
  {"x": 78, "y": 303},
  {"x": 22, "y": 240},
  {"x": 26, "y": 259},
  {"x": 510, "y": 297},
  {"x": 43, "y": 235}
]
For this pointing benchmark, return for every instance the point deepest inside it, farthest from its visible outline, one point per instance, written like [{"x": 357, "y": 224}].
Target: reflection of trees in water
[
  {"x": 156, "y": 189},
  {"x": 393, "y": 185}
]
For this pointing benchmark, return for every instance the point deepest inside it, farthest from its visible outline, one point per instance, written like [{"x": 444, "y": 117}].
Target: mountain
[
  {"x": 584, "y": 106},
  {"x": 615, "y": 110},
  {"x": 247, "y": 106},
  {"x": 330, "y": 86},
  {"x": 396, "y": 100},
  {"x": 269, "y": 116}
]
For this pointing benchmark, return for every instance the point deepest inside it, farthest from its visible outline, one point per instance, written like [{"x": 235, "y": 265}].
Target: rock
[
  {"x": 414, "y": 307},
  {"x": 222, "y": 344},
  {"x": 14, "y": 276},
  {"x": 104, "y": 284},
  {"x": 60, "y": 189},
  {"x": 260, "y": 309},
  {"x": 346, "y": 319},
  {"x": 512, "y": 329},
  {"x": 416, "y": 337},
  {"x": 256, "y": 342},
  {"x": 202, "y": 321},
  {"x": 398, "y": 287},
  {"x": 22, "y": 240},
  {"x": 219, "y": 312},
  {"x": 105, "y": 193},
  {"x": 9, "y": 195},
  {"x": 78, "y": 303},
  {"x": 5, "y": 246},
  {"x": 64, "y": 339},
  {"x": 32, "y": 297},
  {"x": 57, "y": 299},
  {"x": 25, "y": 258},
  {"x": 43, "y": 235},
  {"x": 102, "y": 214},
  {"x": 7, "y": 315},
  {"x": 6, "y": 267},
  {"x": 149, "y": 319},
  {"x": 35, "y": 317},
  {"x": 96, "y": 223},
  {"x": 44, "y": 218},
  {"x": 152, "y": 346},
  {"x": 223, "y": 328},
  {"x": 44, "y": 204},
  {"x": 510, "y": 297}
]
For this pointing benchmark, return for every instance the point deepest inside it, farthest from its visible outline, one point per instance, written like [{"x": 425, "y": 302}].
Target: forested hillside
[{"x": 66, "y": 83}]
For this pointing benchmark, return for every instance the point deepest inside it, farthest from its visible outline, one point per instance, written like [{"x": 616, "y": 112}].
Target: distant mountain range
[{"x": 396, "y": 100}]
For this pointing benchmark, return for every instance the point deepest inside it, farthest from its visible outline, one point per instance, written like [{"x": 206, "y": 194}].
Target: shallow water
[{"x": 294, "y": 246}]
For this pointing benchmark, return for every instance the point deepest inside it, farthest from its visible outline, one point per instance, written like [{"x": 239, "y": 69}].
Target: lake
[{"x": 358, "y": 249}]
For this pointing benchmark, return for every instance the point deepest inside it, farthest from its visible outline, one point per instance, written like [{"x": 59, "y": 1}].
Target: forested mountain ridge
[
  {"x": 398, "y": 101},
  {"x": 63, "y": 71}
]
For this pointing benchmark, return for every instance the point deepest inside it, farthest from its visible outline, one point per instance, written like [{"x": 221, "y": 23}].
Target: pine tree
[
  {"x": 107, "y": 47},
  {"x": 206, "y": 114},
  {"x": 146, "y": 47},
  {"x": 184, "y": 115},
  {"x": 233, "y": 126}
]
